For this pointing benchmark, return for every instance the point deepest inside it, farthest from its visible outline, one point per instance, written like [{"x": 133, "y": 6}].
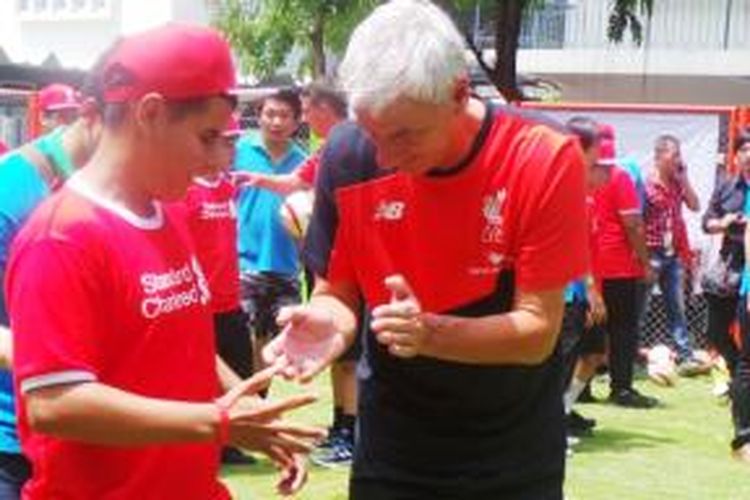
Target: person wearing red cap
[
  {"x": 212, "y": 215},
  {"x": 621, "y": 261},
  {"x": 28, "y": 175},
  {"x": 114, "y": 356},
  {"x": 59, "y": 104}
]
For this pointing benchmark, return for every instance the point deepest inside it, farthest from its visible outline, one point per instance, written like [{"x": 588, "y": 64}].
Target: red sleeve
[
  {"x": 552, "y": 238},
  {"x": 626, "y": 196},
  {"x": 54, "y": 294},
  {"x": 308, "y": 171}
]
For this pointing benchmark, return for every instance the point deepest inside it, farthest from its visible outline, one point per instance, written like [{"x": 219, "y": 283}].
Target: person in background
[
  {"x": 667, "y": 189},
  {"x": 324, "y": 107},
  {"x": 268, "y": 254},
  {"x": 212, "y": 216},
  {"x": 59, "y": 105},
  {"x": 727, "y": 214},
  {"x": 28, "y": 176},
  {"x": 621, "y": 262},
  {"x": 584, "y": 307}
]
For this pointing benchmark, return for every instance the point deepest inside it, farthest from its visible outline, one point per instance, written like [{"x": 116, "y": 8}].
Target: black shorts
[
  {"x": 232, "y": 333},
  {"x": 263, "y": 294}
]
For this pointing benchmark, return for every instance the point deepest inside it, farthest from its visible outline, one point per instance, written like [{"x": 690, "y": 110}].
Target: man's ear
[
  {"x": 462, "y": 91},
  {"x": 150, "y": 112}
]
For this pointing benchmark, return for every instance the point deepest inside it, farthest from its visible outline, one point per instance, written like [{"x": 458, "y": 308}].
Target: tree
[
  {"x": 508, "y": 17},
  {"x": 264, "y": 32}
]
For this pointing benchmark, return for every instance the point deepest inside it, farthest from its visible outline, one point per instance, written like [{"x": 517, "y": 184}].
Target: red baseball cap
[
  {"x": 607, "y": 156},
  {"x": 178, "y": 61},
  {"x": 58, "y": 96}
]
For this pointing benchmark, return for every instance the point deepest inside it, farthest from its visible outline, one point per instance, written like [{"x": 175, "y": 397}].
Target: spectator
[
  {"x": 667, "y": 189},
  {"x": 621, "y": 262},
  {"x": 28, "y": 175},
  {"x": 59, "y": 105},
  {"x": 269, "y": 260},
  {"x": 727, "y": 214}
]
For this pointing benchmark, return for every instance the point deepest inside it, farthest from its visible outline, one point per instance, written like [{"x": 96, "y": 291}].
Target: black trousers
[
  {"x": 232, "y": 331},
  {"x": 621, "y": 297},
  {"x": 721, "y": 312}
]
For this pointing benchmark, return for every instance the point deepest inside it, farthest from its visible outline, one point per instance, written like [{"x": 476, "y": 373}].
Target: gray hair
[{"x": 405, "y": 48}]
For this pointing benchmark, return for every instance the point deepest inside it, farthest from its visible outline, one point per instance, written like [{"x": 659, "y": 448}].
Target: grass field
[{"x": 678, "y": 451}]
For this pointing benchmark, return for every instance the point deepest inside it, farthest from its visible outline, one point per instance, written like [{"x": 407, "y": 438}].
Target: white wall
[
  {"x": 78, "y": 41},
  {"x": 690, "y": 37}
]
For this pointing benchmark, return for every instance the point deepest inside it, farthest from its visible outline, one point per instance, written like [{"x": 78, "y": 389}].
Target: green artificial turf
[{"x": 678, "y": 451}]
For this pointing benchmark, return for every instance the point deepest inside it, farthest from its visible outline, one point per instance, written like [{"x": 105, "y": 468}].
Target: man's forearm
[
  {"x": 227, "y": 377},
  {"x": 637, "y": 239},
  {"x": 96, "y": 413},
  {"x": 282, "y": 184},
  {"x": 522, "y": 336}
]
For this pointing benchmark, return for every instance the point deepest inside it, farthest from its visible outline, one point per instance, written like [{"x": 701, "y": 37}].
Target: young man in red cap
[{"x": 114, "y": 355}]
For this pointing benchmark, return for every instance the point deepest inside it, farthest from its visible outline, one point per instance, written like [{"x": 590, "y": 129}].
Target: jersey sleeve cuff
[{"x": 57, "y": 378}]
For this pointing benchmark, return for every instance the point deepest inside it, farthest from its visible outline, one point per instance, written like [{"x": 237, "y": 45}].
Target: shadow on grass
[{"x": 618, "y": 440}]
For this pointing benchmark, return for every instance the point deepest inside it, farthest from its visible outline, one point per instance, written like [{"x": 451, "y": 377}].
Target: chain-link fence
[{"x": 655, "y": 328}]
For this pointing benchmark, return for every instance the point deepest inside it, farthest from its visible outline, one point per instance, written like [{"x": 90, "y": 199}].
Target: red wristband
[{"x": 222, "y": 434}]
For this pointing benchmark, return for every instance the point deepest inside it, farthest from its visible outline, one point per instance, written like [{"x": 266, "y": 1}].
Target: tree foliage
[{"x": 264, "y": 32}]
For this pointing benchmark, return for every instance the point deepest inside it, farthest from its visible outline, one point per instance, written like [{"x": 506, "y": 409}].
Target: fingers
[
  {"x": 403, "y": 309},
  {"x": 275, "y": 409},
  {"x": 293, "y": 478},
  {"x": 273, "y": 352},
  {"x": 281, "y": 457},
  {"x": 397, "y": 324},
  {"x": 291, "y": 315},
  {"x": 300, "y": 431},
  {"x": 253, "y": 385},
  {"x": 400, "y": 289},
  {"x": 310, "y": 369}
]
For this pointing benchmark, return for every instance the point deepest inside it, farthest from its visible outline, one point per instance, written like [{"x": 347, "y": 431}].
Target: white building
[
  {"x": 76, "y": 31},
  {"x": 692, "y": 51}
]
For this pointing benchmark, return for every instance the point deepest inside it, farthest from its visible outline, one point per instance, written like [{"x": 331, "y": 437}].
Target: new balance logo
[{"x": 390, "y": 210}]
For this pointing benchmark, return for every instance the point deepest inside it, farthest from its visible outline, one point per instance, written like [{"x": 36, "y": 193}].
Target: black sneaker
[
  {"x": 233, "y": 456},
  {"x": 338, "y": 454},
  {"x": 579, "y": 425},
  {"x": 630, "y": 398},
  {"x": 586, "y": 396},
  {"x": 330, "y": 438}
]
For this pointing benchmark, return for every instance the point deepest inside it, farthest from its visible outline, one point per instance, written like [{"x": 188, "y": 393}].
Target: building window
[{"x": 62, "y": 10}]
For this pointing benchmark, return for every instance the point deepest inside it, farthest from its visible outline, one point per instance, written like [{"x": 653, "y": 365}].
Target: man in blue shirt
[
  {"x": 27, "y": 176},
  {"x": 269, "y": 257}
]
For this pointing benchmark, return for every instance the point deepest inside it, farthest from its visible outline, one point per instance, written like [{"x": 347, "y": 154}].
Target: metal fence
[{"x": 655, "y": 328}]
